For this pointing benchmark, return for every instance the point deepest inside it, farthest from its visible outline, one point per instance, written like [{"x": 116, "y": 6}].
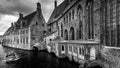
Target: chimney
[
  {"x": 20, "y": 15},
  {"x": 38, "y": 7},
  {"x": 14, "y": 25},
  {"x": 55, "y": 3}
]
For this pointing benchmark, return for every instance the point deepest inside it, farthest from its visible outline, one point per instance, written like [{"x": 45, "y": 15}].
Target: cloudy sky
[{"x": 9, "y": 10}]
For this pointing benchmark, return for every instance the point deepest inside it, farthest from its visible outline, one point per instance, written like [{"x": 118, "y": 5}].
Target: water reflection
[{"x": 43, "y": 59}]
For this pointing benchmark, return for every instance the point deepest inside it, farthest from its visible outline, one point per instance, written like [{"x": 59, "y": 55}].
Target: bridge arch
[{"x": 96, "y": 64}]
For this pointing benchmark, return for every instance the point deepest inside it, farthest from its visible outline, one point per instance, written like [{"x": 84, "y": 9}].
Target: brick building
[
  {"x": 111, "y": 22},
  {"x": 76, "y": 20},
  {"x": 78, "y": 23},
  {"x": 87, "y": 20},
  {"x": 26, "y": 31}
]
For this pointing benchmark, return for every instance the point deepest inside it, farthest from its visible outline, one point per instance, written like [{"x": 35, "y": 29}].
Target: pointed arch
[
  {"x": 66, "y": 35},
  {"x": 72, "y": 33},
  {"x": 61, "y": 30},
  {"x": 80, "y": 16}
]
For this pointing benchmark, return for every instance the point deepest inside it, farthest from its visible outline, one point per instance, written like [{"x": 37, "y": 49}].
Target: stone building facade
[
  {"x": 27, "y": 31},
  {"x": 87, "y": 20},
  {"x": 77, "y": 20},
  {"x": 111, "y": 18}
]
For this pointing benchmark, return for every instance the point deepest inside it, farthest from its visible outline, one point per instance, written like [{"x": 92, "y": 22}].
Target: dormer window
[{"x": 36, "y": 23}]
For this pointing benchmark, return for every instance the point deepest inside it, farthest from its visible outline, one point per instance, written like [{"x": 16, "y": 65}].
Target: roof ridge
[
  {"x": 60, "y": 9},
  {"x": 29, "y": 14}
]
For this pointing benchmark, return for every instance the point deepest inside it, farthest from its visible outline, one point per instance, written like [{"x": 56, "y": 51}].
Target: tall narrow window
[
  {"x": 73, "y": 13},
  {"x": 21, "y": 40},
  {"x": 89, "y": 32},
  {"x": 67, "y": 19},
  {"x": 64, "y": 20},
  {"x": 79, "y": 13},
  {"x": 61, "y": 30},
  {"x": 69, "y": 16},
  {"x": 72, "y": 35},
  {"x": 79, "y": 50},
  {"x": 63, "y": 49},
  {"x": 26, "y": 40},
  {"x": 66, "y": 35}
]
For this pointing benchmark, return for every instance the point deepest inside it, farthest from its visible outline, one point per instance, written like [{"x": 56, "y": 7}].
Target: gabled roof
[
  {"x": 29, "y": 17},
  {"x": 57, "y": 11},
  {"x": 8, "y": 30}
]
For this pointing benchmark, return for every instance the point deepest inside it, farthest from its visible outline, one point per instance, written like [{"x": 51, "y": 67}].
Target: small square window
[
  {"x": 36, "y": 23},
  {"x": 42, "y": 24}
]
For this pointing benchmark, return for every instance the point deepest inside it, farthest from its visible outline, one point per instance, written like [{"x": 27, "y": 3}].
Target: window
[
  {"x": 80, "y": 51},
  {"x": 42, "y": 24},
  {"x": 26, "y": 40},
  {"x": 73, "y": 13},
  {"x": 61, "y": 30},
  {"x": 50, "y": 40},
  {"x": 20, "y": 32},
  {"x": 65, "y": 35},
  {"x": 64, "y": 21},
  {"x": 26, "y": 31},
  {"x": 23, "y": 32},
  {"x": 44, "y": 32},
  {"x": 70, "y": 16},
  {"x": 63, "y": 48},
  {"x": 23, "y": 40},
  {"x": 67, "y": 19},
  {"x": 70, "y": 48},
  {"x": 17, "y": 41},
  {"x": 36, "y": 23},
  {"x": 90, "y": 24}
]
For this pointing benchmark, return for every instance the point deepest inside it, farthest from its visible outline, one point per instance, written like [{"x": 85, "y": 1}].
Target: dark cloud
[
  {"x": 13, "y": 7},
  {"x": 16, "y": 6},
  {"x": 9, "y": 10}
]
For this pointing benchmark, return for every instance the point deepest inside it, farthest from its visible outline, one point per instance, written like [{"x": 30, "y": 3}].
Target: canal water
[{"x": 29, "y": 59}]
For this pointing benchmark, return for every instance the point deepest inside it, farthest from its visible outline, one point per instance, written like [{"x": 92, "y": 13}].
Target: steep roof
[
  {"x": 26, "y": 20},
  {"x": 30, "y": 16},
  {"x": 8, "y": 30},
  {"x": 57, "y": 11}
]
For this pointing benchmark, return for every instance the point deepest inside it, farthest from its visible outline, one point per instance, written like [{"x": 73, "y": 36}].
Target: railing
[{"x": 76, "y": 45}]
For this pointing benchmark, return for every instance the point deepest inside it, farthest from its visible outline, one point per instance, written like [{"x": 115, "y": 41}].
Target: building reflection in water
[{"x": 43, "y": 59}]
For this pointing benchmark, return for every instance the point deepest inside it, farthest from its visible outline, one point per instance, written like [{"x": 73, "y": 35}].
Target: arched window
[
  {"x": 61, "y": 30},
  {"x": 80, "y": 18},
  {"x": 66, "y": 18},
  {"x": 90, "y": 21},
  {"x": 69, "y": 16},
  {"x": 72, "y": 33},
  {"x": 73, "y": 14},
  {"x": 65, "y": 35}
]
